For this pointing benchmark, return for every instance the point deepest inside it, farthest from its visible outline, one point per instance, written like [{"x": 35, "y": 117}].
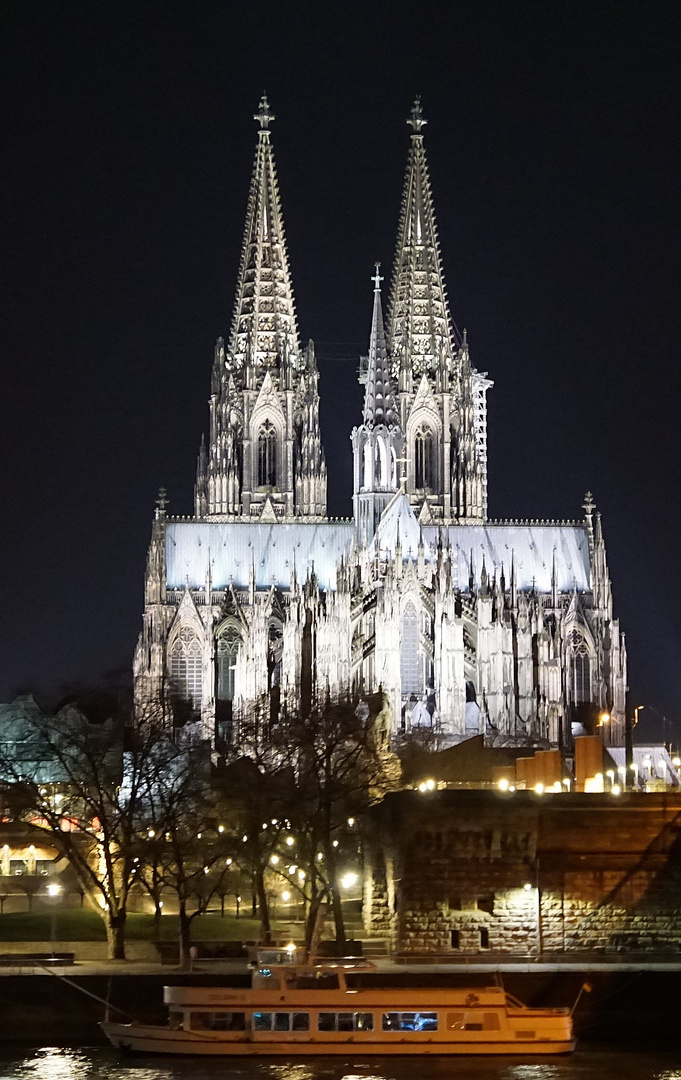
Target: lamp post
[{"x": 54, "y": 891}]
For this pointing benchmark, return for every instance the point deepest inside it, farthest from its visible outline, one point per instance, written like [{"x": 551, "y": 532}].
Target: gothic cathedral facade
[{"x": 467, "y": 625}]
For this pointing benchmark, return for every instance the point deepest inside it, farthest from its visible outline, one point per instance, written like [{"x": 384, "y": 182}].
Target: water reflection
[{"x": 97, "y": 1063}]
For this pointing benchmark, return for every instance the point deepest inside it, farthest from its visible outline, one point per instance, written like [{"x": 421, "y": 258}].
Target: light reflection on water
[{"x": 95, "y": 1063}]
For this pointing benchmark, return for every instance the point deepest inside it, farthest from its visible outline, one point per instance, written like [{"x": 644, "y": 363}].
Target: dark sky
[{"x": 127, "y": 143}]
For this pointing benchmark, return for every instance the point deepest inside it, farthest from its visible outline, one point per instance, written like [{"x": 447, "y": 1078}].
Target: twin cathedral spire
[{"x": 424, "y": 419}]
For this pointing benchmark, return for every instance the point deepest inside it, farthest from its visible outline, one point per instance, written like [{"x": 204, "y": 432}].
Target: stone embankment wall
[{"x": 456, "y": 873}]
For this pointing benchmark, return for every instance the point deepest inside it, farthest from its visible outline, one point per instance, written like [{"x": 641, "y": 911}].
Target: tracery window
[
  {"x": 424, "y": 459},
  {"x": 580, "y": 669},
  {"x": 227, "y": 650},
  {"x": 411, "y": 666},
  {"x": 186, "y": 663},
  {"x": 267, "y": 455}
]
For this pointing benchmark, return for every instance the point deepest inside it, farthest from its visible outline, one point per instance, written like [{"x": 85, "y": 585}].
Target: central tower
[{"x": 264, "y": 459}]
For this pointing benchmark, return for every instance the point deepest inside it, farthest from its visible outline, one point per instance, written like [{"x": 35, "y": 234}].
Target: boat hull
[{"x": 160, "y": 1040}]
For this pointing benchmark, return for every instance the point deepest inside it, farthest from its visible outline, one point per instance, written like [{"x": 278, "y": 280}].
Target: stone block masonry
[{"x": 461, "y": 873}]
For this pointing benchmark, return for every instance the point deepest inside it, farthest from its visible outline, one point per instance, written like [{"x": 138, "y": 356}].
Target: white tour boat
[{"x": 294, "y": 1009}]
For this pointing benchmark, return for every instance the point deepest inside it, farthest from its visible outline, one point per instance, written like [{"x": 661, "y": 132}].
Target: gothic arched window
[
  {"x": 226, "y": 653},
  {"x": 186, "y": 667},
  {"x": 267, "y": 456},
  {"x": 580, "y": 669},
  {"x": 424, "y": 459},
  {"x": 411, "y": 665}
]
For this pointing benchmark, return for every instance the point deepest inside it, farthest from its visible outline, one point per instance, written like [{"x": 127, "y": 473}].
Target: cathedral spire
[
  {"x": 419, "y": 325},
  {"x": 379, "y": 404},
  {"x": 264, "y": 324}
]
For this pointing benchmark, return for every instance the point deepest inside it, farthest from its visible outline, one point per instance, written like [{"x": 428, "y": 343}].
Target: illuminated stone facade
[
  {"x": 468, "y": 625},
  {"x": 452, "y": 873}
]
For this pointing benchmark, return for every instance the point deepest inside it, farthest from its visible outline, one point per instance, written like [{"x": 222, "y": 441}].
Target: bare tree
[
  {"x": 86, "y": 785},
  {"x": 183, "y": 846}
]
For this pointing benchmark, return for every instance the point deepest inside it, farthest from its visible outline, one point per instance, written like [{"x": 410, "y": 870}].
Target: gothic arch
[
  {"x": 580, "y": 666},
  {"x": 228, "y": 641},
  {"x": 185, "y": 665},
  {"x": 267, "y": 455},
  {"x": 411, "y": 656}
]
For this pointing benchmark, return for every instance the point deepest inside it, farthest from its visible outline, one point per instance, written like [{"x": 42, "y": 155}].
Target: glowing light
[
  {"x": 430, "y": 784},
  {"x": 616, "y": 789},
  {"x": 274, "y": 859},
  {"x": 290, "y": 948},
  {"x": 54, "y": 889},
  {"x": 527, "y": 887},
  {"x": 286, "y": 896},
  {"x": 151, "y": 834},
  {"x": 335, "y": 843},
  {"x": 290, "y": 841},
  {"x": 228, "y": 862},
  {"x": 422, "y": 787},
  {"x": 503, "y": 784},
  {"x": 221, "y": 828},
  {"x": 292, "y": 869},
  {"x": 351, "y": 820},
  {"x": 539, "y": 789},
  {"x": 348, "y": 880},
  {"x": 301, "y": 875},
  {"x": 676, "y": 762},
  {"x": 244, "y": 839},
  {"x": 604, "y": 719}
]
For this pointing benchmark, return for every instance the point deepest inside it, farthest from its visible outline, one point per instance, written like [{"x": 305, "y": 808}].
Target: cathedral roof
[
  {"x": 418, "y": 314},
  {"x": 264, "y": 321},
  {"x": 398, "y": 525},
  {"x": 531, "y": 548},
  {"x": 272, "y": 551}
]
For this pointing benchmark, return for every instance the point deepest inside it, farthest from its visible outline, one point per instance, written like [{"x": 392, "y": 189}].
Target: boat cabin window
[
  {"x": 455, "y": 1021},
  {"x": 420, "y": 1021},
  {"x": 281, "y": 1021},
  {"x": 217, "y": 1021},
  {"x": 345, "y": 1021}
]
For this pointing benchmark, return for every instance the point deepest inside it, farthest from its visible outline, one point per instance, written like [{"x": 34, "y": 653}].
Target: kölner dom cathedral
[{"x": 467, "y": 625}]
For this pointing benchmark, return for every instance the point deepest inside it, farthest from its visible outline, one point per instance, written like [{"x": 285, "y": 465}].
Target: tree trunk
[
  {"x": 185, "y": 934},
  {"x": 115, "y": 935},
  {"x": 265, "y": 925},
  {"x": 311, "y": 923},
  {"x": 338, "y": 920},
  {"x": 158, "y": 915},
  {"x": 335, "y": 897}
]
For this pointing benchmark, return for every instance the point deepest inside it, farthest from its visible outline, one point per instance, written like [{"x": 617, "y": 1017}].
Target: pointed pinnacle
[
  {"x": 263, "y": 115},
  {"x": 416, "y": 120}
]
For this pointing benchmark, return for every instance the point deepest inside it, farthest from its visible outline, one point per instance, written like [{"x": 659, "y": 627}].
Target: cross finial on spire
[
  {"x": 403, "y": 461},
  {"x": 416, "y": 120},
  {"x": 161, "y": 502},
  {"x": 588, "y": 505},
  {"x": 263, "y": 115},
  {"x": 377, "y": 279}
]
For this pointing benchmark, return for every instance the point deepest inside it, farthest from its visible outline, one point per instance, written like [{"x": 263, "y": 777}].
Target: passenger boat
[{"x": 297, "y": 1009}]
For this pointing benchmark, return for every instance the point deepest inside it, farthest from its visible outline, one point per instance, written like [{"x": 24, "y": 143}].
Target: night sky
[{"x": 127, "y": 144}]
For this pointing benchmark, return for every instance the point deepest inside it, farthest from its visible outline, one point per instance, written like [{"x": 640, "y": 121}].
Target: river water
[{"x": 97, "y": 1063}]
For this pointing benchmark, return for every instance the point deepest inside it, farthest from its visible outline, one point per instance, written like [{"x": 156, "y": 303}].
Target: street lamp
[{"x": 54, "y": 891}]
